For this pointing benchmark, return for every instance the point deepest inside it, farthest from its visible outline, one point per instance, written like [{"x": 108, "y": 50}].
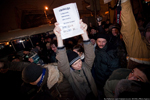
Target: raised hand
[
  {"x": 83, "y": 26},
  {"x": 57, "y": 30},
  {"x": 58, "y": 35}
]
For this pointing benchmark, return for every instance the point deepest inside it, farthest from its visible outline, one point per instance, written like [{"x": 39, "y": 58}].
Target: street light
[{"x": 46, "y": 8}]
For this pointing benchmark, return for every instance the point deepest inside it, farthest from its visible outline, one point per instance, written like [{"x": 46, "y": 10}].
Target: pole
[
  {"x": 23, "y": 44},
  {"x": 13, "y": 45},
  {"x": 31, "y": 41},
  {"x": 95, "y": 9}
]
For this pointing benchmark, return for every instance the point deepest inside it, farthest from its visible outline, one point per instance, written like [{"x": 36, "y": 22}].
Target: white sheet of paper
[
  {"x": 68, "y": 18},
  {"x": 106, "y": 1}
]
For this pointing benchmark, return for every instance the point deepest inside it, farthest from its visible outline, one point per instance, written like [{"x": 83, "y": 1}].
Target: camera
[{"x": 99, "y": 19}]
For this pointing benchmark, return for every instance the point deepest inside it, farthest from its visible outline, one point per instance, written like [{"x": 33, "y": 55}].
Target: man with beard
[{"x": 106, "y": 61}]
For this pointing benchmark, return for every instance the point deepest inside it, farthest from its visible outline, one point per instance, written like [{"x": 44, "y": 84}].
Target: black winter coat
[{"x": 105, "y": 63}]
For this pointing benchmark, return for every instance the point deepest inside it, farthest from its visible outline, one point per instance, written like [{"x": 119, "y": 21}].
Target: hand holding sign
[
  {"x": 83, "y": 26},
  {"x": 57, "y": 30}
]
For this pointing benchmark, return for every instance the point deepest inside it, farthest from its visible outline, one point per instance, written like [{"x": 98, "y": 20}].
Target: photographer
[{"x": 100, "y": 25}]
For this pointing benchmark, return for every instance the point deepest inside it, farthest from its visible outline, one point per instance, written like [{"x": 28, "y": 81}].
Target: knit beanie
[
  {"x": 31, "y": 73},
  {"x": 105, "y": 36},
  {"x": 72, "y": 57}
]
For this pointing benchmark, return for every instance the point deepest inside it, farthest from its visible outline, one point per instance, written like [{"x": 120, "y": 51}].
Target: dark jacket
[
  {"x": 76, "y": 78},
  {"x": 101, "y": 30},
  {"x": 111, "y": 83},
  {"x": 54, "y": 82},
  {"x": 116, "y": 43},
  {"x": 105, "y": 63}
]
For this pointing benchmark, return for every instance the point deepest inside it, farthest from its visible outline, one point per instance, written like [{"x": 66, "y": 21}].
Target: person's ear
[{"x": 33, "y": 83}]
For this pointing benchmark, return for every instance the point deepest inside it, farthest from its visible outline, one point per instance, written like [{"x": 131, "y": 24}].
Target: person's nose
[
  {"x": 79, "y": 64},
  {"x": 53, "y": 49},
  {"x": 132, "y": 78}
]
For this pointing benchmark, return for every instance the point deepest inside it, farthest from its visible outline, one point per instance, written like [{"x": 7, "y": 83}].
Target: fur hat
[{"x": 131, "y": 89}]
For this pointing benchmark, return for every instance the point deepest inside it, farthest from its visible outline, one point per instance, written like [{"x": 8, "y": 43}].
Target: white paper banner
[{"x": 68, "y": 18}]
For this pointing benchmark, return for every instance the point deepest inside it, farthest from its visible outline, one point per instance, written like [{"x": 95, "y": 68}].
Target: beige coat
[
  {"x": 77, "y": 78},
  {"x": 137, "y": 47},
  {"x": 58, "y": 85}
]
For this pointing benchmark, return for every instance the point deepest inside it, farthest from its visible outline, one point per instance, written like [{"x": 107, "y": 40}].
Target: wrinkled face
[
  {"x": 101, "y": 42},
  {"x": 53, "y": 47},
  {"x": 147, "y": 35},
  {"x": 137, "y": 75},
  {"x": 77, "y": 65},
  {"x": 115, "y": 32}
]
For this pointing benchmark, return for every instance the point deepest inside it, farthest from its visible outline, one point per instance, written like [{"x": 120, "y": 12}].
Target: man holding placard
[{"x": 77, "y": 72}]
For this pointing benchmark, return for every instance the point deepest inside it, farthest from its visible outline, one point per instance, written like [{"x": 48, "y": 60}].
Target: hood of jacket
[{"x": 53, "y": 75}]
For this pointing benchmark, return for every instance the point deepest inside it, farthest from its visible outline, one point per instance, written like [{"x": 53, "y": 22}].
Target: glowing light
[
  {"x": 20, "y": 41},
  {"x": 107, "y": 12},
  {"x": 46, "y": 8},
  {"x": 91, "y": 14},
  {"x": 6, "y": 43}
]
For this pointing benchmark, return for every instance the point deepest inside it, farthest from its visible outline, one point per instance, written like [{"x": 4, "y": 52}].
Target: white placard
[
  {"x": 106, "y": 1},
  {"x": 68, "y": 18}
]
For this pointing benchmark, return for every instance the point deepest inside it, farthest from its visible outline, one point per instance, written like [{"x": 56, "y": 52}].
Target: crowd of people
[{"x": 107, "y": 61}]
